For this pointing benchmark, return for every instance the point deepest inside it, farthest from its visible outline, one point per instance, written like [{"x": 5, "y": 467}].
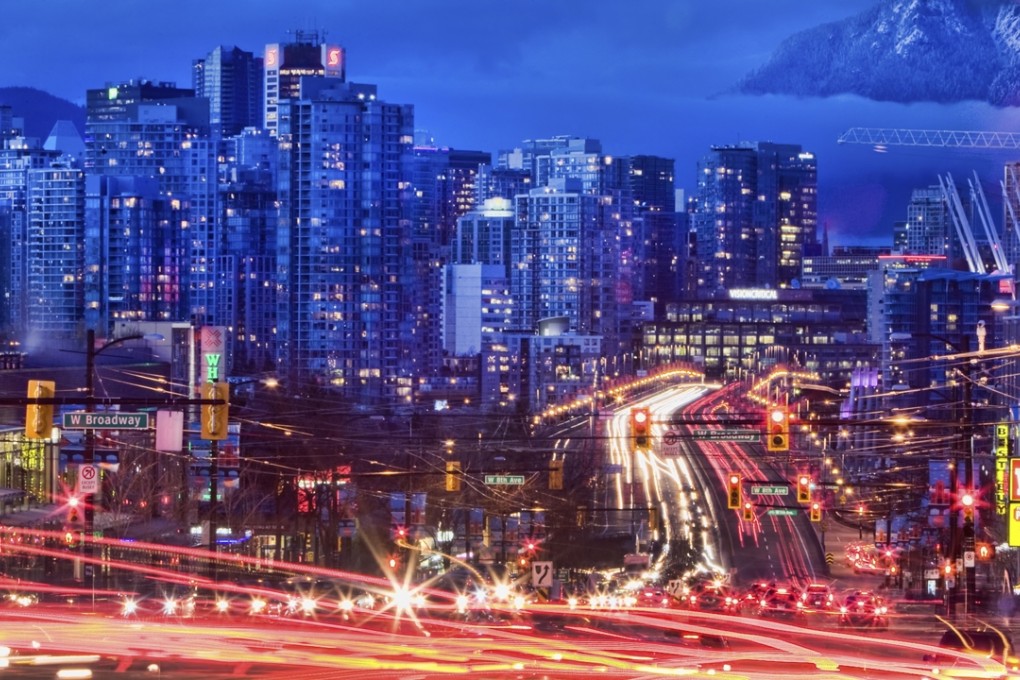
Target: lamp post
[
  {"x": 91, "y": 352},
  {"x": 959, "y": 549}
]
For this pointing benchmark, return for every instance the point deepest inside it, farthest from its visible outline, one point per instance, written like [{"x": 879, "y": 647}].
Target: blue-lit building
[
  {"x": 54, "y": 251},
  {"x": 343, "y": 312},
  {"x": 755, "y": 210},
  {"x": 17, "y": 160},
  {"x": 285, "y": 64},
  {"x": 157, "y": 130},
  {"x": 232, "y": 80}
]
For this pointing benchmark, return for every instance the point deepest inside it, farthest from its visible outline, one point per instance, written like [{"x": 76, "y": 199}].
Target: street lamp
[
  {"x": 91, "y": 352},
  {"x": 960, "y": 547}
]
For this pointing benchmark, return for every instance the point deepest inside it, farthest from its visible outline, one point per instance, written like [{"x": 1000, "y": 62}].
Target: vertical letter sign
[{"x": 1004, "y": 486}]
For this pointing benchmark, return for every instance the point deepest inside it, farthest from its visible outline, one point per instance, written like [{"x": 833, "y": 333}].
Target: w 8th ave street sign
[{"x": 113, "y": 420}]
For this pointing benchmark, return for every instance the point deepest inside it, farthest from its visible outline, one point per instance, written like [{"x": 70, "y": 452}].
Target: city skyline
[{"x": 647, "y": 79}]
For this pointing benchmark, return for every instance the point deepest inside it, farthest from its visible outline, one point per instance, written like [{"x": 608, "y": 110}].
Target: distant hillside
[
  {"x": 904, "y": 51},
  {"x": 41, "y": 110}
]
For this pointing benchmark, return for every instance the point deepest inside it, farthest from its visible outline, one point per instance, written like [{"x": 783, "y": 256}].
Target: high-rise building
[
  {"x": 566, "y": 263},
  {"x": 135, "y": 252},
  {"x": 927, "y": 229},
  {"x": 17, "y": 159},
  {"x": 755, "y": 209},
  {"x": 232, "y": 80},
  {"x": 54, "y": 252},
  {"x": 286, "y": 64},
  {"x": 442, "y": 188},
  {"x": 343, "y": 312},
  {"x": 248, "y": 221},
  {"x": 157, "y": 130}
]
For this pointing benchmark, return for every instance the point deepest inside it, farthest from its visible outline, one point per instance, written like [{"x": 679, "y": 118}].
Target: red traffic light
[
  {"x": 803, "y": 489},
  {"x": 777, "y": 435},
  {"x": 733, "y": 492},
  {"x": 640, "y": 420}
]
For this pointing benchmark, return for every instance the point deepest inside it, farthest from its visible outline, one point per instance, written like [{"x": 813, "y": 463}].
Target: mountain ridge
[
  {"x": 901, "y": 51},
  {"x": 41, "y": 110}
]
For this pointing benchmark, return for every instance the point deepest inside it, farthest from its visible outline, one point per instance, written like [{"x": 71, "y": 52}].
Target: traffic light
[
  {"x": 73, "y": 510},
  {"x": 967, "y": 503},
  {"x": 653, "y": 519},
  {"x": 803, "y": 489},
  {"x": 816, "y": 512},
  {"x": 453, "y": 475},
  {"x": 748, "y": 512},
  {"x": 640, "y": 424},
  {"x": 556, "y": 474},
  {"x": 215, "y": 416},
  {"x": 777, "y": 437},
  {"x": 733, "y": 489},
  {"x": 39, "y": 417}
]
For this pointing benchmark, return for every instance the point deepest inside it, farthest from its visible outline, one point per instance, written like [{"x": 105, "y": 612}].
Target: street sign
[
  {"x": 779, "y": 490},
  {"x": 504, "y": 480},
  {"x": 110, "y": 420},
  {"x": 541, "y": 574},
  {"x": 783, "y": 512},
  {"x": 88, "y": 479},
  {"x": 747, "y": 436}
]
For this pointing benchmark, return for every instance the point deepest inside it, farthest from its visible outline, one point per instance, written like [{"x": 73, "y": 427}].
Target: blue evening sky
[{"x": 644, "y": 76}]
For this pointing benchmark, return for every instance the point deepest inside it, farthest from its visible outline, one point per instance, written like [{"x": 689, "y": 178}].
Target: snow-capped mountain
[{"x": 904, "y": 51}]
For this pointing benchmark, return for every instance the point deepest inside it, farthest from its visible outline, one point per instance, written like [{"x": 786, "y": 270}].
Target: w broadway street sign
[
  {"x": 747, "y": 436},
  {"x": 83, "y": 420}
]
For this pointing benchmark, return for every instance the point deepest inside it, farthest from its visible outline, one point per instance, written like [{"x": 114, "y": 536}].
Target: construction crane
[{"x": 973, "y": 139}]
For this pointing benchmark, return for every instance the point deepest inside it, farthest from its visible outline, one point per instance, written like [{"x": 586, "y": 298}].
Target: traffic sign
[
  {"x": 747, "y": 436},
  {"x": 109, "y": 420},
  {"x": 775, "y": 490},
  {"x": 504, "y": 480},
  {"x": 541, "y": 574},
  {"x": 88, "y": 479},
  {"x": 783, "y": 512}
]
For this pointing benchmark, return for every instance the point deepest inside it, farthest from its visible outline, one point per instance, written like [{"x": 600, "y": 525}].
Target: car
[
  {"x": 712, "y": 597},
  {"x": 751, "y": 599},
  {"x": 984, "y": 642},
  {"x": 818, "y": 597},
  {"x": 864, "y": 609},
  {"x": 781, "y": 601}
]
